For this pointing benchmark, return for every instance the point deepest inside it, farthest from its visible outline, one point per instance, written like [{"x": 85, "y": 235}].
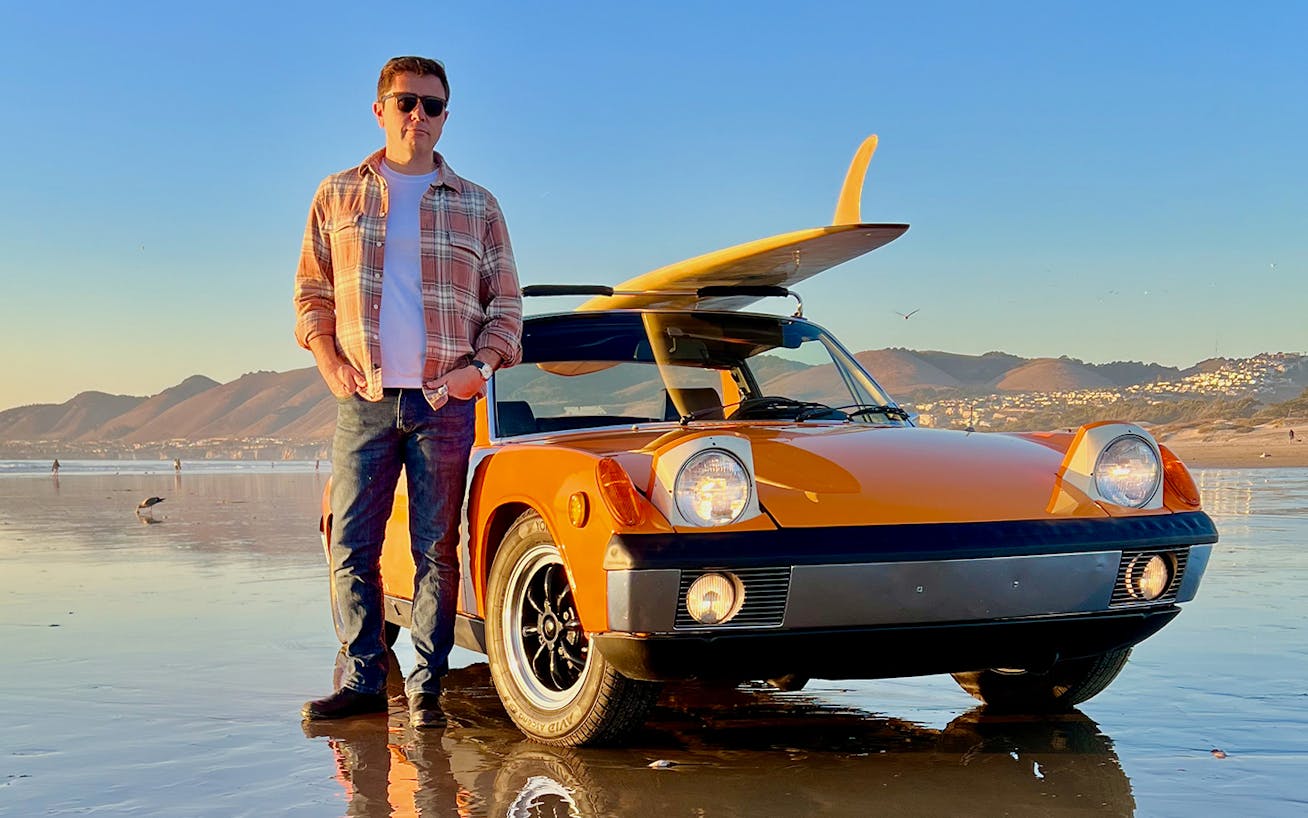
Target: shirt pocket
[
  {"x": 465, "y": 247},
  {"x": 345, "y": 235},
  {"x": 466, "y": 252}
]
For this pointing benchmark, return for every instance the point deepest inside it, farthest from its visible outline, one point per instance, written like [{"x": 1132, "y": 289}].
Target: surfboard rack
[{"x": 710, "y": 291}]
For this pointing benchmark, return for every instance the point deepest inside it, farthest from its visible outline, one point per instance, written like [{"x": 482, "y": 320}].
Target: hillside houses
[
  {"x": 271, "y": 416},
  {"x": 1267, "y": 376}
]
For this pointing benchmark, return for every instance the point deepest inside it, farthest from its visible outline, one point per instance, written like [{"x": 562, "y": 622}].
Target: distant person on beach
[
  {"x": 408, "y": 298},
  {"x": 1291, "y": 439},
  {"x": 177, "y": 464},
  {"x": 54, "y": 467}
]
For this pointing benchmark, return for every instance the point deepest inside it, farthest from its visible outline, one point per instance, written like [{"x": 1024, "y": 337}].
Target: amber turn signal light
[
  {"x": 1179, "y": 479},
  {"x": 618, "y": 492},
  {"x": 579, "y": 508}
]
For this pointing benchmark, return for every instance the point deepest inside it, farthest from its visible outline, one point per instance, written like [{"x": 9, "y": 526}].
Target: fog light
[
  {"x": 714, "y": 598},
  {"x": 1148, "y": 576}
]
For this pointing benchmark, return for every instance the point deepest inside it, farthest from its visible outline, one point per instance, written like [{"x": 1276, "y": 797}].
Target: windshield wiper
[
  {"x": 858, "y": 410},
  {"x": 761, "y": 405},
  {"x": 807, "y": 409}
]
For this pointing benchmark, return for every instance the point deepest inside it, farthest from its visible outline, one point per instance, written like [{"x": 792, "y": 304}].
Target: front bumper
[
  {"x": 878, "y": 652},
  {"x": 877, "y": 601}
]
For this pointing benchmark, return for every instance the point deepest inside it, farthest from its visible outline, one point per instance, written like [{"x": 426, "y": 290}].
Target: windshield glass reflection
[{"x": 617, "y": 369}]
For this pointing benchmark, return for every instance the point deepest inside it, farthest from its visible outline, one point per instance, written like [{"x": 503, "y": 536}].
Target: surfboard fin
[
  {"x": 849, "y": 206},
  {"x": 775, "y": 261}
]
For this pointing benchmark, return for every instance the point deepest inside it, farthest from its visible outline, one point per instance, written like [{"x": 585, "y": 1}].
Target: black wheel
[
  {"x": 1062, "y": 687},
  {"x": 554, "y": 687}
]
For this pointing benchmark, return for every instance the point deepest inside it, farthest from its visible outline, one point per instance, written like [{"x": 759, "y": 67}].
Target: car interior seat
[
  {"x": 692, "y": 399},
  {"x": 514, "y": 417}
]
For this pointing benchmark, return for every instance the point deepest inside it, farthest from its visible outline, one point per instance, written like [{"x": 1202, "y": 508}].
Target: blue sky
[{"x": 1109, "y": 181}]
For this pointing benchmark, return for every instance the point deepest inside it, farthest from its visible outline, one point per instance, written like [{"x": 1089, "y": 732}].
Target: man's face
[{"x": 414, "y": 131}]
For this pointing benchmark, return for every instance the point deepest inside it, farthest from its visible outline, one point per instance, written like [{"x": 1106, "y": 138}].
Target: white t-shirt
[{"x": 403, "y": 327}]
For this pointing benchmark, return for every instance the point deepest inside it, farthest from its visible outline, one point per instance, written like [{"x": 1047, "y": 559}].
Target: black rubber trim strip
[
  {"x": 469, "y": 631},
  {"x": 878, "y": 652},
  {"x": 906, "y": 543}
]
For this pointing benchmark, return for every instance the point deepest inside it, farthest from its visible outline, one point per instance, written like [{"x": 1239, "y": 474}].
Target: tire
[
  {"x": 554, "y": 687},
  {"x": 1058, "y": 689}
]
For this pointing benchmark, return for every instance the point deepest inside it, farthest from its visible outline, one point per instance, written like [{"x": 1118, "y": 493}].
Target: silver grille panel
[
  {"x": 1122, "y": 597},
  {"x": 766, "y": 591}
]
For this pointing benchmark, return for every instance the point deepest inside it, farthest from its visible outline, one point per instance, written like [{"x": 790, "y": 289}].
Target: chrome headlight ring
[
  {"x": 712, "y": 488},
  {"x": 1128, "y": 472}
]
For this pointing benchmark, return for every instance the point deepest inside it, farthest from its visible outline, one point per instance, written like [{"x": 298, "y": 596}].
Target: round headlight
[
  {"x": 1127, "y": 472},
  {"x": 1148, "y": 576},
  {"x": 712, "y": 488},
  {"x": 714, "y": 598}
]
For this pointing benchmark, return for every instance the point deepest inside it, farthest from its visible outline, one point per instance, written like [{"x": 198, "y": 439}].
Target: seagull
[
  {"x": 909, "y": 315},
  {"x": 147, "y": 505}
]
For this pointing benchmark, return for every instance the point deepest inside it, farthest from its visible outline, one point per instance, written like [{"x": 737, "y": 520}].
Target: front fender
[{"x": 514, "y": 478}]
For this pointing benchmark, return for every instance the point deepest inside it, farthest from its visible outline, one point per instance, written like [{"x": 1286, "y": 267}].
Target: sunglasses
[{"x": 431, "y": 106}]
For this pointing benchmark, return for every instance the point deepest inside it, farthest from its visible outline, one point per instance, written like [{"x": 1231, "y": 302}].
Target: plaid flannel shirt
[{"x": 470, "y": 292}]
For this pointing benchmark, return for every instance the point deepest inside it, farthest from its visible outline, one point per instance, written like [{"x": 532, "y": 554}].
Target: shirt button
[{"x": 379, "y": 244}]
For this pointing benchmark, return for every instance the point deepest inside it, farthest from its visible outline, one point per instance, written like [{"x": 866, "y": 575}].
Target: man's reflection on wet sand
[
  {"x": 731, "y": 752},
  {"x": 383, "y": 771}
]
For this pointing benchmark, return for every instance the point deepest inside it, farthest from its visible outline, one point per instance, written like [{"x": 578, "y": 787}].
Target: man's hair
[{"x": 421, "y": 66}]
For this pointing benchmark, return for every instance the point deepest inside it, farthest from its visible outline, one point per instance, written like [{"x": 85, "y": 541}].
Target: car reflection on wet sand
[{"x": 725, "y": 752}]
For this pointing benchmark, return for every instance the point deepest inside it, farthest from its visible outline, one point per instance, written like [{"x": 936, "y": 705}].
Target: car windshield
[{"x": 584, "y": 370}]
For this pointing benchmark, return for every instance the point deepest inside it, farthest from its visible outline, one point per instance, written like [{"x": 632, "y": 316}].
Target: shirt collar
[{"x": 444, "y": 174}]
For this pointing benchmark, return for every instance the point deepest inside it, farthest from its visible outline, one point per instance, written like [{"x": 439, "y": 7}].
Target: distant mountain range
[
  {"x": 291, "y": 414},
  {"x": 906, "y": 371}
]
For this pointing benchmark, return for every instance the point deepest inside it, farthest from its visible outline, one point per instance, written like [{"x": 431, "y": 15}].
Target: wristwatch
[{"x": 484, "y": 368}]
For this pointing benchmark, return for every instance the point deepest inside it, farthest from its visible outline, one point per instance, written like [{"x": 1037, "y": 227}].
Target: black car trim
[
  {"x": 905, "y": 542},
  {"x": 469, "y": 631},
  {"x": 1033, "y": 643}
]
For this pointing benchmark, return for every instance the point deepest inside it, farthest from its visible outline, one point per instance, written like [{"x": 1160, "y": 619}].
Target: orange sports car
[{"x": 675, "y": 488}]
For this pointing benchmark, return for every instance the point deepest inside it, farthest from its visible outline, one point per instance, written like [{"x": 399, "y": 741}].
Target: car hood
[
  {"x": 824, "y": 475},
  {"x": 889, "y": 475}
]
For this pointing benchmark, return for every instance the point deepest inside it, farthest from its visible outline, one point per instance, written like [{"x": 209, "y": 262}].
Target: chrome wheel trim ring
[{"x": 538, "y": 560}]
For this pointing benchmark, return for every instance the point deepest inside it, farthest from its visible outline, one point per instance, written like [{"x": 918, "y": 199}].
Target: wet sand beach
[
  {"x": 158, "y": 669},
  {"x": 1228, "y": 444}
]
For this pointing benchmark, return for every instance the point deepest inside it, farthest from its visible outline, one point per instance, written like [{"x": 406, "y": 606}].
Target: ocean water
[
  {"x": 157, "y": 668},
  {"x": 67, "y": 468}
]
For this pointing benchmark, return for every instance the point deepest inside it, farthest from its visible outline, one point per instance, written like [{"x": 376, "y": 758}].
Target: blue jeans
[{"x": 372, "y": 442}]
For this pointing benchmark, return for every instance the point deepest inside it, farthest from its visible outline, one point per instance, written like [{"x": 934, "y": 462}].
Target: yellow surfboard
[{"x": 778, "y": 261}]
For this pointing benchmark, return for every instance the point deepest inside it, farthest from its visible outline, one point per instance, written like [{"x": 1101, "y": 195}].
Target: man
[{"x": 408, "y": 297}]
